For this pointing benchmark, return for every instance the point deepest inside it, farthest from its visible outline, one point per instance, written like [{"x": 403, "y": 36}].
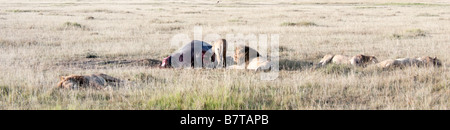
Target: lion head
[
  {"x": 244, "y": 54},
  {"x": 71, "y": 82},
  {"x": 431, "y": 61},
  {"x": 363, "y": 60}
]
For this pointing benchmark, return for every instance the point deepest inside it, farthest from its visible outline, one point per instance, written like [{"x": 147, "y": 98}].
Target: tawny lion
[
  {"x": 358, "y": 60},
  {"x": 404, "y": 62},
  {"x": 244, "y": 54},
  {"x": 249, "y": 58},
  {"x": 220, "y": 52},
  {"x": 96, "y": 81}
]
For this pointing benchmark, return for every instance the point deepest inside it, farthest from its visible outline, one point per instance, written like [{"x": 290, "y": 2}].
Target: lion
[
  {"x": 244, "y": 54},
  {"x": 248, "y": 58},
  {"x": 220, "y": 52},
  {"x": 404, "y": 62},
  {"x": 259, "y": 63},
  {"x": 358, "y": 60},
  {"x": 95, "y": 81}
]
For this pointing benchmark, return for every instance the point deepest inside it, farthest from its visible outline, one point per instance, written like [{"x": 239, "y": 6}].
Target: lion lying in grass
[
  {"x": 95, "y": 81},
  {"x": 404, "y": 62},
  {"x": 358, "y": 60},
  {"x": 249, "y": 58}
]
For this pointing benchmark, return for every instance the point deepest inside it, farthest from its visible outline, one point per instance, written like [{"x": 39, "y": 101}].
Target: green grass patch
[
  {"x": 74, "y": 25},
  {"x": 69, "y": 24},
  {"x": 4, "y": 90},
  {"x": 304, "y": 23},
  {"x": 103, "y": 11},
  {"x": 337, "y": 69},
  {"x": 427, "y": 15},
  {"x": 413, "y": 4},
  {"x": 286, "y": 64},
  {"x": 22, "y": 11},
  {"x": 236, "y": 20},
  {"x": 366, "y": 7},
  {"x": 91, "y": 54},
  {"x": 235, "y": 97},
  {"x": 192, "y": 12},
  {"x": 146, "y": 77},
  {"x": 416, "y": 32},
  {"x": 239, "y": 21},
  {"x": 190, "y": 100},
  {"x": 410, "y": 33}
]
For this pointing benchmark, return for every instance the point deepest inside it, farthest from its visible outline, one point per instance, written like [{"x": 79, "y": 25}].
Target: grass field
[{"x": 42, "y": 40}]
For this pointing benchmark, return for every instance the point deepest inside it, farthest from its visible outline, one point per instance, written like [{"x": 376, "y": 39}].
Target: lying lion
[
  {"x": 358, "y": 60},
  {"x": 249, "y": 58},
  {"x": 244, "y": 54},
  {"x": 259, "y": 63},
  {"x": 96, "y": 81},
  {"x": 404, "y": 62}
]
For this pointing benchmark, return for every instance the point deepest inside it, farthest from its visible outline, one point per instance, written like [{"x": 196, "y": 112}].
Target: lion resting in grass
[
  {"x": 249, "y": 58},
  {"x": 259, "y": 63},
  {"x": 95, "y": 81},
  {"x": 244, "y": 54},
  {"x": 358, "y": 60},
  {"x": 404, "y": 62}
]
